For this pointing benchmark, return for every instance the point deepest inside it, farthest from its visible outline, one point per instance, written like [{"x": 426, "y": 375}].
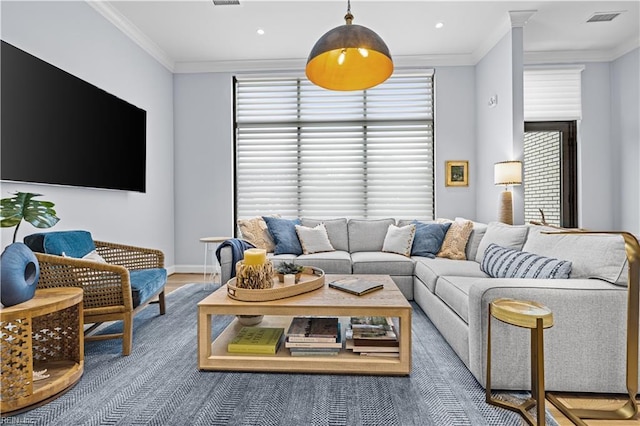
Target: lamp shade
[
  {"x": 349, "y": 57},
  {"x": 508, "y": 173}
]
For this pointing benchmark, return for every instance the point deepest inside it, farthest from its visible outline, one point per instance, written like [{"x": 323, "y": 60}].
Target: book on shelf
[
  {"x": 313, "y": 330},
  {"x": 349, "y": 344},
  {"x": 374, "y": 328},
  {"x": 355, "y": 285},
  {"x": 387, "y": 354},
  {"x": 315, "y": 353},
  {"x": 256, "y": 340},
  {"x": 335, "y": 344},
  {"x": 371, "y": 323}
]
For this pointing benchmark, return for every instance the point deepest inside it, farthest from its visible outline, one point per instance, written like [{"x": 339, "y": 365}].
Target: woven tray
[{"x": 311, "y": 279}]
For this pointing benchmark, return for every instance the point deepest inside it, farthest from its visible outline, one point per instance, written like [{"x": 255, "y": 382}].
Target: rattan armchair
[{"x": 107, "y": 288}]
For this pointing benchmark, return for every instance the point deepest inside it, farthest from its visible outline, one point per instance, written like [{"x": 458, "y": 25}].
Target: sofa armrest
[
  {"x": 131, "y": 257},
  {"x": 584, "y": 350},
  {"x": 104, "y": 285}
]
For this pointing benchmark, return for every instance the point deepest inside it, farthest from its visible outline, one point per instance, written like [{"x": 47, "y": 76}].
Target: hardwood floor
[{"x": 607, "y": 402}]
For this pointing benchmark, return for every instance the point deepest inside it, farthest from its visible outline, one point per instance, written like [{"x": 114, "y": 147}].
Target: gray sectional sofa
[{"x": 585, "y": 350}]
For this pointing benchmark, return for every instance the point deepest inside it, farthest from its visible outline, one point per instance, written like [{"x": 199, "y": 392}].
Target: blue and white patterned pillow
[{"x": 501, "y": 262}]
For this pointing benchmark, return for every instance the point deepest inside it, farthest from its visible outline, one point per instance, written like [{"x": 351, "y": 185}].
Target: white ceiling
[{"x": 197, "y": 35}]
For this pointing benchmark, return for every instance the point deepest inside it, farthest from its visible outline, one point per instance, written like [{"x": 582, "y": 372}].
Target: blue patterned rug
[{"x": 160, "y": 384}]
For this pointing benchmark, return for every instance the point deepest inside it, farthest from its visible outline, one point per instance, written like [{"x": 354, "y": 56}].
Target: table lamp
[{"x": 507, "y": 173}]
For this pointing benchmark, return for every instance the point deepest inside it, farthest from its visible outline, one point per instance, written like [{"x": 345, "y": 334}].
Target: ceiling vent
[
  {"x": 603, "y": 16},
  {"x": 226, "y": 2}
]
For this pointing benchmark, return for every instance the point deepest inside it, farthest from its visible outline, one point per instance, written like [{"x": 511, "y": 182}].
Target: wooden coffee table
[{"x": 322, "y": 302}]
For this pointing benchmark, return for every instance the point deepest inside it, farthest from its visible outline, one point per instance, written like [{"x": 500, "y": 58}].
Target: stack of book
[
  {"x": 314, "y": 336},
  {"x": 372, "y": 336}
]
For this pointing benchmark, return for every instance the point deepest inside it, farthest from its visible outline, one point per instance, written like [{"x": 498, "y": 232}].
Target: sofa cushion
[
  {"x": 145, "y": 283},
  {"x": 454, "y": 291},
  {"x": 367, "y": 234},
  {"x": 601, "y": 256},
  {"x": 478, "y": 231},
  {"x": 336, "y": 230},
  {"x": 256, "y": 232},
  {"x": 68, "y": 243},
  {"x": 455, "y": 241},
  {"x": 283, "y": 232},
  {"x": 509, "y": 236},
  {"x": 313, "y": 240},
  {"x": 501, "y": 262},
  {"x": 428, "y": 270},
  {"x": 379, "y": 262},
  {"x": 333, "y": 262},
  {"x": 399, "y": 239},
  {"x": 428, "y": 238}
]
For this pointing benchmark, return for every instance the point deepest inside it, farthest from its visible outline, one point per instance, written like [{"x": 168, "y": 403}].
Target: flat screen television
[{"x": 58, "y": 129}]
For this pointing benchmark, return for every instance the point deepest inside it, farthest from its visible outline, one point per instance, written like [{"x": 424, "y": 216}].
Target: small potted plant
[{"x": 289, "y": 268}]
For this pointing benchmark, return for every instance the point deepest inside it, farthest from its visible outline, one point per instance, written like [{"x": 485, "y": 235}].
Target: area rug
[{"x": 159, "y": 384}]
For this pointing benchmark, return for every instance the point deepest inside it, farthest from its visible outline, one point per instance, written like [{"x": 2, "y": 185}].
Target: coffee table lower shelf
[{"x": 346, "y": 362}]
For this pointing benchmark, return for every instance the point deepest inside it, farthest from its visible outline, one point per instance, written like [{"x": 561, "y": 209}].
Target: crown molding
[
  {"x": 268, "y": 65},
  {"x": 519, "y": 18},
  {"x": 133, "y": 32}
]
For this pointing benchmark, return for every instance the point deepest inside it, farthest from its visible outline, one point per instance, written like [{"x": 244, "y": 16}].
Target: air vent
[
  {"x": 603, "y": 16},
  {"x": 226, "y": 2}
]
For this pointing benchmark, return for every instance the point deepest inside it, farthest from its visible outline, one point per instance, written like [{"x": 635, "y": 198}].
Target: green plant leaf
[{"x": 22, "y": 206}]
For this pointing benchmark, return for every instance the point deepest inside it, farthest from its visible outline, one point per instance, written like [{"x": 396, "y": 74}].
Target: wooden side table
[
  {"x": 45, "y": 332},
  {"x": 536, "y": 317},
  {"x": 210, "y": 244}
]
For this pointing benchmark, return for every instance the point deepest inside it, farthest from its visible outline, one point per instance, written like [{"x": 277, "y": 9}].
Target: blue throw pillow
[
  {"x": 428, "y": 238},
  {"x": 501, "y": 262},
  {"x": 283, "y": 232}
]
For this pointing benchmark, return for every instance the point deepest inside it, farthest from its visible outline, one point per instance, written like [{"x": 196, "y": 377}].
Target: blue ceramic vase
[{"x": 19, "y": 275}]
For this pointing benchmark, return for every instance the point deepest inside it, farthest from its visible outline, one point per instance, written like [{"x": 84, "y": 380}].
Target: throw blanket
[{"x": 238, "y": 247}]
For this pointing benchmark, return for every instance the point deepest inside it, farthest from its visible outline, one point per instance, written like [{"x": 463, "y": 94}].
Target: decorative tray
[{"x": 311, "y": 279}]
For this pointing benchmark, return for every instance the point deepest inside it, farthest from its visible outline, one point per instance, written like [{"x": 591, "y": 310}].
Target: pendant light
[{"x": 349, "y": 57}]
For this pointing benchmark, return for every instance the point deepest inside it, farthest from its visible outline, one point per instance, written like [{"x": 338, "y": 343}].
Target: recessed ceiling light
[
  {"x": 439, "y": 25},
  {"x": 260, "y": 31}
]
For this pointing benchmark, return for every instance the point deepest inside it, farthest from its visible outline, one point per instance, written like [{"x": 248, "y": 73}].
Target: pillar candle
[{"x": 255, "y": 256}]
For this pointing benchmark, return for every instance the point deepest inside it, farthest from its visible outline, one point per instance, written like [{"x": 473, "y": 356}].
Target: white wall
[
  {"x": 75, "y": 38},
  {"x": 455, "y": 139},
  {"x": 495, "y": 126},
  {"x": 596, "y": 207},
  {"x": 204, "y": 163},
  {"x": 625, "y": 130}
]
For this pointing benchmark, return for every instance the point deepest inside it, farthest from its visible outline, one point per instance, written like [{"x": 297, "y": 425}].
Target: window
[{"x": 303, "y": 151}]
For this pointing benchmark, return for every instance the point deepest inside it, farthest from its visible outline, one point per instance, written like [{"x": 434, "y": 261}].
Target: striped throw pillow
[{"x": 501, "y": 262}]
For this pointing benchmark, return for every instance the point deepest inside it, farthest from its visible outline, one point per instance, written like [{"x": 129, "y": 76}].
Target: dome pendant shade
[{"x": 349, "y": 57}]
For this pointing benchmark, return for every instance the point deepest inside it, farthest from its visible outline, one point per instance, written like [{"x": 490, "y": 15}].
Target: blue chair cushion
[
  {"x": 145, "y": 283},
  {"x": 72, "y": 243}
]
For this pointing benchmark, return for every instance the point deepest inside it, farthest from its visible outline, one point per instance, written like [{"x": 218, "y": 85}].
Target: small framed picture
[{"x": 456, "y": 173}]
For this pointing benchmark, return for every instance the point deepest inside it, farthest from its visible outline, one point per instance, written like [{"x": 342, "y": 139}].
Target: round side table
[
  {"x": 536, "y": 317},
  {"x": 42, "y": 348},
  {"x": 211, "y": 244}
]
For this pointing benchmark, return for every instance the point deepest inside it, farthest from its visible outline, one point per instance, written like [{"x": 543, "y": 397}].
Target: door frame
[{"x": 568, "y": 166}]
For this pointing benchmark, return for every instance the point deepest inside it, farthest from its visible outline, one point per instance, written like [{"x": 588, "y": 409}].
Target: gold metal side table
[{"x": 536, "y": 317}]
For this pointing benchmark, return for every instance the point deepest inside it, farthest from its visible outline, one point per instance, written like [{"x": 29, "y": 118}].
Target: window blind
[
  {"x": 303, "y": 151},
  {"x": 553, "y": 94}
]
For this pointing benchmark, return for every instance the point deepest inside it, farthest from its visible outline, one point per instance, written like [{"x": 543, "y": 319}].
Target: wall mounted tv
[{"x": 58, "y": 129}]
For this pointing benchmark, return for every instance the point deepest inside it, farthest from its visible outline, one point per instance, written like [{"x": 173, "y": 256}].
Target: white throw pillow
[
  {"x": 93, "y": 255},
  {"x": 399, "y": 239},
  {"x": 501, "y": 234},
  {"x": 314, "y": 240}
]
